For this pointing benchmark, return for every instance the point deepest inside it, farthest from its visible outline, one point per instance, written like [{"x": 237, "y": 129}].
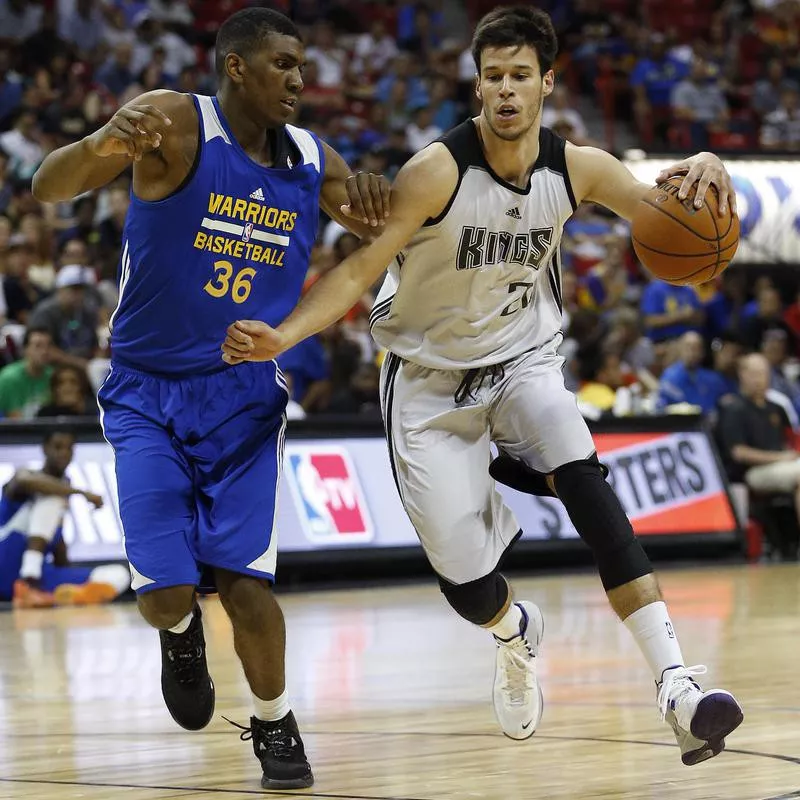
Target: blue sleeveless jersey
[{"x": 232, "y": 243}]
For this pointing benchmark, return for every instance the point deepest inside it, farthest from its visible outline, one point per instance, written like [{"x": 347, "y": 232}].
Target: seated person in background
[
  {"x": 686, "y": 381},
  {"x": 25, "y": 384},
  {"x": 775, "y": 348},
  {"x": 600, "y": 373},
  {"x": 69, "y": 317},
  {"x": 70, "y": 394},
  {"x": 670, "y": 311},
  {"x": 768, "y": 316},
  {"x": 753, "y": 435},
  {"x": 307, "y": 365},
  {"x": 34, "y": 569}
]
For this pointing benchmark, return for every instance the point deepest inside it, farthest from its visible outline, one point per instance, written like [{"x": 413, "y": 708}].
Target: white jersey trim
[{"x": 212, "y": 127}]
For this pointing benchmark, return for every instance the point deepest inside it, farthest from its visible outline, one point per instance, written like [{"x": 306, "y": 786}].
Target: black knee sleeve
[
  {"x": 518, "y": 475},
  {"x": 601, "y": 522},
  {"x": 478, "y": 601}
]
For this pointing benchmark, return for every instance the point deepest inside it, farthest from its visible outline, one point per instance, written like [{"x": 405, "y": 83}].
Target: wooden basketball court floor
[{"x": 392, "y": 692}]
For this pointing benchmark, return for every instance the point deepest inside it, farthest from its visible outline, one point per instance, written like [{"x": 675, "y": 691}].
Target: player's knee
[
  {"x": 478, "y": 601},
  {"x": 600, "y": 520},
  {"x": 165, "y": 608},
  {"x": 244, "y": 599}
]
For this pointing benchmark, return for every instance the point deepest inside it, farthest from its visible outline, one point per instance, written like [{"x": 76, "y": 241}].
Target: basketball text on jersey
[
  {"x": 328, "y": 495},
  {"x": 219, "y": 235},
  {"x": 480, "y": 246}
]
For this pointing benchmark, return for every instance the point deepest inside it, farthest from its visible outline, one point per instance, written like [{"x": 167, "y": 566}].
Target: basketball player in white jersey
[{"x": 470, "y": 314}]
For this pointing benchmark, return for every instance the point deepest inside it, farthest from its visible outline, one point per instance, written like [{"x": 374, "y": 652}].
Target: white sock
[
  {"x": 508, "y": 626},
  {"x": 183, "y": 625},
  {"x": 272, "y": 710},
  {"x": 652, "y": 629}
]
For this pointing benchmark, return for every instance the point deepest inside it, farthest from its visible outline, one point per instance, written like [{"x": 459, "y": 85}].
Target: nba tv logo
[{"x": 327, "y": 495}]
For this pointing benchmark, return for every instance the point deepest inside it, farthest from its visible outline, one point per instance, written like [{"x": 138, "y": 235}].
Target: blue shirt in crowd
[
  {"x": 699, "y": 387},
  {"x": 664, "y": 298}
]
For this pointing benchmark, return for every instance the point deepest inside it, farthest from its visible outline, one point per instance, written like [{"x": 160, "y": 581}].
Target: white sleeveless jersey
[{"x": 481, "y": 283}]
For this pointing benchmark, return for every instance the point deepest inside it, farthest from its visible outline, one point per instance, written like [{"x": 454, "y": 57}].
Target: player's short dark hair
[
  {"x": 517, "y": 26},
  {"x": 48, "y": 437},
  {"x": 31, "y": 331},
  {"x": 245, "y": 31}
]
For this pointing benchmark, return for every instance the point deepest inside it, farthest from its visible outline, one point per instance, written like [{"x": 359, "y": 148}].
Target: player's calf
[{"x": 186, "y": 686}]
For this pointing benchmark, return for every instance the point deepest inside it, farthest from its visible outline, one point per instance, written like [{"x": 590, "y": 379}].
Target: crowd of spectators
[{"x": 383, "y": 80}]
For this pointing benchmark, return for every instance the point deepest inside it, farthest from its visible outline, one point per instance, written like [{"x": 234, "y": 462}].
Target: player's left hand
[
  {"x": 252, "y": 340},
  {"x": 369, "y": 198},
  {"x": 704, "y": 169}
]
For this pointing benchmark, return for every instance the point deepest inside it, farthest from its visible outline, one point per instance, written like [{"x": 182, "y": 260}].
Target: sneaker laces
[
  {"x": 278, "y": 742},
  {"x": 185, "y": 653},
  {"x": 677, "y": 683},
  {"x": 518, "y": 664}
]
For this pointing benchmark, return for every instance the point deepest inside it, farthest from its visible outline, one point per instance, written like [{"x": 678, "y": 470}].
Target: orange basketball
[{"x": 679, "y": 243}]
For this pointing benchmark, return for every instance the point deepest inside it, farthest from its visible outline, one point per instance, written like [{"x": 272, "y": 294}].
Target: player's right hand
[
  {"x": 251, "y": 340},
  {"x": 132, "y": 131},
  {"x": 94, "y": 499}
]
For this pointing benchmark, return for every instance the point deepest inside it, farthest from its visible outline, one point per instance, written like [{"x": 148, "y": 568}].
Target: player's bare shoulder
[{"x": 428, "y": 180}]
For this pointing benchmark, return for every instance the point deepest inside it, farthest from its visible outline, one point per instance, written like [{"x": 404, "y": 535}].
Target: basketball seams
[
  {"x": 679, "y": 221},
  {"x": 641, "y": 244}
]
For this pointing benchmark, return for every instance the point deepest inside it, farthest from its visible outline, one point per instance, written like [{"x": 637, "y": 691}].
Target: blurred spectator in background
[
  {"x": 723, "y": 311},
  {"x": 767, "y": 92},
  {"x": 600, "y": 374},
  {"x": 20, "y": 19},
  {"x": 34, "y": 565},
  {"x": 25, "y": 384},
  {"x": 768, "y": 316},
  {"x": 687, "y": 382},
  {"x": 753, "y": 432},
  {"x": 308, "y": 367},
  {"x": 374, "y": 50},
  {"x": 21, "y": 295},
  {"x": 652, "y": 80},
  {"x": 726, "y": 350},
  {"x": 421, "y": 131},
  {"x": 558, "y": 106},
  {"x": 775, "y": 348},
  {"x": 330, "y": 58},
  {"x": 70, "y": 319},
  {"x": 116, "y": 74},
  {"x": 23, "y": 145},
  {"x": 71, "y": 394},
  {"x": 698, "y": 102},
  {"x": 605, "y": 285},
  {"x": 670, "y": 311},
  {"x": 781, "y": 129}
]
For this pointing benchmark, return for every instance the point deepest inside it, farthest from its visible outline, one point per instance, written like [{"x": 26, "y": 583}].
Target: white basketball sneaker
[
  {"x": 701, "y": 720},
  {"x": 517, "y": 695}
]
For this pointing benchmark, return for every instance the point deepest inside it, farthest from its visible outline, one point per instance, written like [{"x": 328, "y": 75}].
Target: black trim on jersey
[
  {"x": 392, "y": 369},
  {"x": 380, "y": 311},
  {"x": 283, "y": 148},
  {"x": 464, "y": 145},
  {"x": 554, "y": 285}
]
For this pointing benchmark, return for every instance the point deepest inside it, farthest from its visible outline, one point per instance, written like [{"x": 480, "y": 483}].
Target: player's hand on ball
[
  {"x": 704, "y": 169},
  {"x": 132, "y": 131},
  {"x": 369, "y": 198},
  {"x": 251, "y": 340}
]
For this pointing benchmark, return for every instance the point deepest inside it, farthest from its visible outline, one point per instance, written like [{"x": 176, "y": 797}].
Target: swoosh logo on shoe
[{"x": 527, "y": 725}]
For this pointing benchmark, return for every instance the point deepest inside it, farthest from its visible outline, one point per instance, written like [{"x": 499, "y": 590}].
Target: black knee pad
[
  {"x": 518, "y": 475},
  {"x": 478, "y": 601},
  {"x": 600, "y": 520}
]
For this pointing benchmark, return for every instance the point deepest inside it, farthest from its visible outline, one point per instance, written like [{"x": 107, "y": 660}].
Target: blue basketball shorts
[{"x": 198, "y": 464}]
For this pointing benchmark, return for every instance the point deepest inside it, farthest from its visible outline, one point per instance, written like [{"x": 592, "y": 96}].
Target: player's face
[
  {"x": 512, "y": 89},
  {"x": 273, "y": 79},
  {"x": 58, "y": 452}
]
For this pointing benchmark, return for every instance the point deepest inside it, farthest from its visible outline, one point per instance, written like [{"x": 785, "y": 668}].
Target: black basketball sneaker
[
  {"x": 185, "y": 683},
  {"x": 279, "y": 748}
]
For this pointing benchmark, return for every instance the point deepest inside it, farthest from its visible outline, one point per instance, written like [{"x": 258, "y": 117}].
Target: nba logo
[
  {"x": 248, "y": 229},
  {"x": 327, "y": 495}
]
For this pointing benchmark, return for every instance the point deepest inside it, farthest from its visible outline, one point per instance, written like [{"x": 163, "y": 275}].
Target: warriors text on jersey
[
  {"x": 481, "y": 283},
  {"x": 233, "y": 242}
]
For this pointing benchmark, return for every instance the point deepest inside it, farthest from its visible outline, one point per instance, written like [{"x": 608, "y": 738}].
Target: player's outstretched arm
[
  {"x": 358, "y": 201},
  {"x": 598, "y": 177},
  {"x": 138, "y": 129},
  {"x": 31, "y": 482},
  {"x": 422, "y": 189}
]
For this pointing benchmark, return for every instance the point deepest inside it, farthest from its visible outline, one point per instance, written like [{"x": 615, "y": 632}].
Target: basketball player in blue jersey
[
  {"x": 470, "y": 314},
  {"x": 223, "y": 216}
]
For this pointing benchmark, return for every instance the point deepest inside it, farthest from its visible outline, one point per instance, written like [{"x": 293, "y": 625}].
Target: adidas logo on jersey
[
  {"x": 257, "y": 194},
  {"x": 512, "y": 212}
]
